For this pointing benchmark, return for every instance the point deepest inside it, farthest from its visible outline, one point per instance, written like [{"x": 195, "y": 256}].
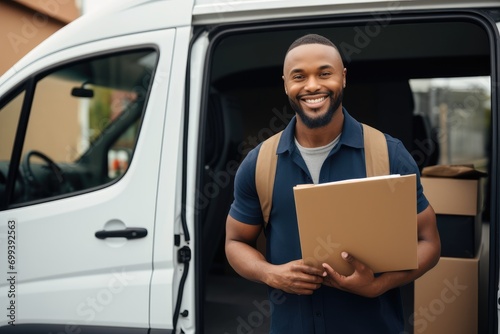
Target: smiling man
[
  {"x": 322, "y": 144},
  {"x": 315, "y": 98}
]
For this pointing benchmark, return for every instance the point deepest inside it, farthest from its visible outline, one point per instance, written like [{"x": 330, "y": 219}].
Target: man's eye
[
  {"x": 325, "y": 74},
  {"x": 298, "y": 77}
]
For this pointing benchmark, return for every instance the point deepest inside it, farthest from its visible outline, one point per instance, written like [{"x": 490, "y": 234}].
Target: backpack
[{"x": 376, "y": 162}]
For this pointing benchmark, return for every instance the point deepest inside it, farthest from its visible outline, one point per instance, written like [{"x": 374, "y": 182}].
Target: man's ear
[
  {"x": 284, "y": 84},
  {"x": 345, "y": 76}
]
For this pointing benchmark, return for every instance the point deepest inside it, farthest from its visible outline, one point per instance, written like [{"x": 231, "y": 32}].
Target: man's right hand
[{"x": 295, "y": 277}]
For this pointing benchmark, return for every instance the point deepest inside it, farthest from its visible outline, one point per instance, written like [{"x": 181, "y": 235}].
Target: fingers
[
  {"x": 358, "y": 265},
  {"x": 307, "y": 274},
  {"x": 361, "y": 281},
  {"x": 337, "y": 280},
  {"x": 299, "y": 278},
  {"x": 300, "y": 286},
  {"x": 332, "y": 277},
  {"x": 305, "y": 268},
  {"x": 305, "y": 289},
  {"x": 348, "y": 258},
  {"x": 329, "y": 270}
]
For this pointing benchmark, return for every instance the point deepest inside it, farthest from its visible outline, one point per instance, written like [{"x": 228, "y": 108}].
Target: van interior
[{"x": 424, "y": 79}]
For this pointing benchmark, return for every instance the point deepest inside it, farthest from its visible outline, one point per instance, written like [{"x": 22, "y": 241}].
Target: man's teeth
[{"x": 315, "y": 100}]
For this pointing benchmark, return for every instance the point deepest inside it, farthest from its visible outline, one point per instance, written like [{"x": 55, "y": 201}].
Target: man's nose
[{"x": 312, "y": 84}]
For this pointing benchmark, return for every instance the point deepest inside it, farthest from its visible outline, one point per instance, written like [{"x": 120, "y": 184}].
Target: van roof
[
  {"x": 127, "y": 17},
  {"x": 205, "y": 11},
  {"x": 234, "y": 4}
]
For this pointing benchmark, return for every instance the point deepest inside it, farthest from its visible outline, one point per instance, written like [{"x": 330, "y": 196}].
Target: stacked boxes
[
  {"x": 458, "y": 212},
  {"x": 446, "y": 298}
]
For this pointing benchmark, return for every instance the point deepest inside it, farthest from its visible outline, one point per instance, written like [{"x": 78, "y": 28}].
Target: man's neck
[{"x": 320, "y": 136}]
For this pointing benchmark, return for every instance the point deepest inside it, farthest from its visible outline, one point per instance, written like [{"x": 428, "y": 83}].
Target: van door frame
[{"x": 481, "y": 18}]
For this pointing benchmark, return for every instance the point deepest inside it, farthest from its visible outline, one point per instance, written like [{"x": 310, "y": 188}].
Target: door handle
[{"x": 129, "y": 233}]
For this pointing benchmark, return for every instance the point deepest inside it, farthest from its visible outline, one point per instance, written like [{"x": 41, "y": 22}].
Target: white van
[{"x": 120, "y": 136}]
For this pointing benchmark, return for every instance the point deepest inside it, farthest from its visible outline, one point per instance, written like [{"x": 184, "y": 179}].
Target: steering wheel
[{"x": 35, "y": 184}]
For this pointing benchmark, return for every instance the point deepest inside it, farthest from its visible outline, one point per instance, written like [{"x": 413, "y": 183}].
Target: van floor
[{"x": 235, "y": 305}]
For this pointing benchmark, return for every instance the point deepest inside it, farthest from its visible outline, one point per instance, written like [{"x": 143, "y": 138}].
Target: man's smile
[
  {"x": 317, "y": 100},
  {"x": 314, "y": 101}
]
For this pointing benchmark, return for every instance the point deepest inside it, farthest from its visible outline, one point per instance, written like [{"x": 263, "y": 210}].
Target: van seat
[
  {"x": 389, "y": 107},
  {"x": 223, "y": 135}
]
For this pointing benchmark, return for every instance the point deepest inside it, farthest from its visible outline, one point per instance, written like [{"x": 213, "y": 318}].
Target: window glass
[
  {"x": 83, "y": 125},
  {"x": 459, "y": 112}
]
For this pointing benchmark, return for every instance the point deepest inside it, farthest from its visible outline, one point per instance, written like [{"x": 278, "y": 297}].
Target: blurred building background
[{"x": 26, "y": 23}]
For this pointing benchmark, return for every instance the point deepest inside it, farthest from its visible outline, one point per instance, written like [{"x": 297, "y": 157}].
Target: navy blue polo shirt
[{"x": 327, "y": 310}]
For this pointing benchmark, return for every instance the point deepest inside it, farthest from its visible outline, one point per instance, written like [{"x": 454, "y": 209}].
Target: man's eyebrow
[
  {"x": 324, "y": 67},
  {"x": 296, "y": 70},
  {"x": 321, "y": 68}
]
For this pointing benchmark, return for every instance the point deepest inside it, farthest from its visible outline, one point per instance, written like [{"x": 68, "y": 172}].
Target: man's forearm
[
  {"x": 246, "y": 260},
  {"x": 427, "y": 259}
]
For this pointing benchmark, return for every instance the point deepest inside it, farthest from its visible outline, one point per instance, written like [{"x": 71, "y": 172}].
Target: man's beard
[{"x": 317, "y": 122}]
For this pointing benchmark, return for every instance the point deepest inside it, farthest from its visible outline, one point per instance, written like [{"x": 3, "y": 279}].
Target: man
[{"x": 322, "y": 143}]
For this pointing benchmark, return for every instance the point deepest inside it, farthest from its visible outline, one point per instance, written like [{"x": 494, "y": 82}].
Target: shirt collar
[{"x": 352, "y": 134}]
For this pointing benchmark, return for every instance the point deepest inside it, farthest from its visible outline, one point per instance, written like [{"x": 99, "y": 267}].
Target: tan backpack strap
[
  {"x": 265, "y": 171},
  {"x": 376, "y": 152}
]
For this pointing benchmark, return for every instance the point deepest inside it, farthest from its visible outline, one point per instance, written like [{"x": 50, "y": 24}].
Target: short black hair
[{"x": 311, "y": 39}]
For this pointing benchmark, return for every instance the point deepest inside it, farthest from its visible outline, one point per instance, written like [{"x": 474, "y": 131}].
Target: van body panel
[
  {"x": 197, "y": 65},
  {"x": 66, "y": 274},
  {"x": 167, "y": 271}
]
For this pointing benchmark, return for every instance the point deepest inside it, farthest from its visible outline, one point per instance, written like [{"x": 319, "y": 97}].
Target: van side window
[{"x": 82, "y": 127}]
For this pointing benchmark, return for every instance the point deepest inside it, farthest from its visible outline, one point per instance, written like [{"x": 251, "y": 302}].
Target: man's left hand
[{"x": 361, "y": 282}]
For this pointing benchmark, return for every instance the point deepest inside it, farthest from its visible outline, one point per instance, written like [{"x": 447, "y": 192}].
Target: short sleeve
[{"x": 246, "y": 206}]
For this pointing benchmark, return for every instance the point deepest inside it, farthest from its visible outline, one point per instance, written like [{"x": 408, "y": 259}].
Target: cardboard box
[
  {"x": 374, "y": 219},
  {"x": 460, "y": 235},
  {"x": 446, "y": 298},
  {"x": 457, "y": 203},
  {"x": 450, "y": 196}
]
